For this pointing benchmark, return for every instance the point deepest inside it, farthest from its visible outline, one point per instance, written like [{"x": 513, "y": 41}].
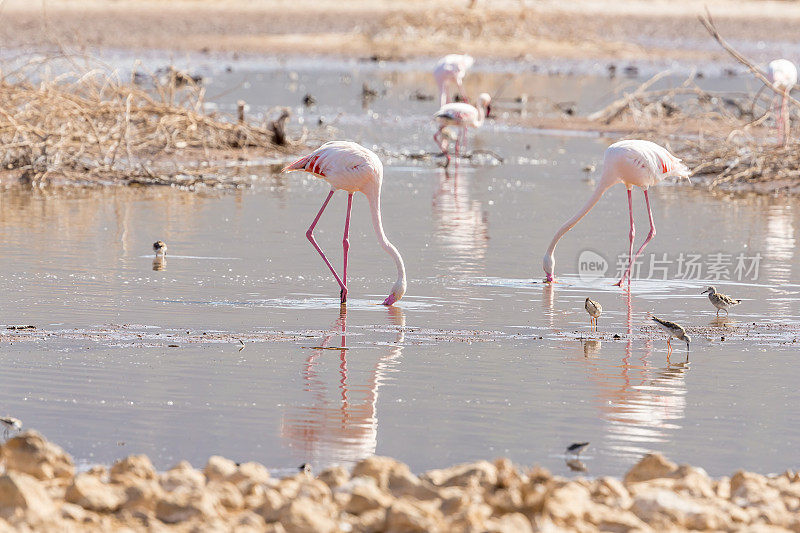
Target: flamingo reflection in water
[
  {"x": 339, "y": 423},
  {"x": 461, "y": 223}
]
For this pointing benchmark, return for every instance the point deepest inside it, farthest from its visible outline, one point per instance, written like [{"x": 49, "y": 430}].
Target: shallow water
[{"x": 236, "y": 344}]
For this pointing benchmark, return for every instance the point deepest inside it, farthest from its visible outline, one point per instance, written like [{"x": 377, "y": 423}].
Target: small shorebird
[
  {"x": 305, "y": 468},
  {"x": 160, "y": 248},
  {"x": 451, "y": 69},
  {"x": 10, "y": 423},
  {"x": 595, "y": 310},
  {"x": 461, "y": 116},
  {"x": 577, "y": 447},
  {"x": 721, "y": 301},
  {"x": 674, "y": 330}
]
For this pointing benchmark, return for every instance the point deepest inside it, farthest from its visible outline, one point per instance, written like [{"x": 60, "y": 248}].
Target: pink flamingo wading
[
  {"x": 450, "y": 70},
  {"x": 635, "y": 164},
  {"x": 783, "y": 75},
  {"x": 460, "y": 116},
  {"x": 350, "y": 167}
]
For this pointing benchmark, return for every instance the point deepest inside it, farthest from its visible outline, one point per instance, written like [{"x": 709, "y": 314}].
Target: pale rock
[
  {"x": 509, "y": 523},
  {"x": 538, "y": 474},
  {"x": 505, "y": 501},
  {"x": 367, "y": 497},
  {"x": 92, "y": 494},
  {"x": 652, "y": 466},
  {"x": 248, "y": 521},
  {"x": 374, "y": 520},
  {"x": 507, "y": 475},
  {"x": 98, "y": 471},
  {"x": 335, "y": 476},
  {"x": 567, "y": 504},
  {"x": 183, "y": 504},
  {"x": 226, "y": 494},
  {"x": 272, "y": 504},
  {"x": 182, "y": 475},
  {"x": 662, "y": 508},
  {"x": 71, "y": 511},
  {"x": 483, "y": 473},
  {"x": 142, "y": 494},
  {"x": 378, "y": 468},
  {"x": 722, "y": 488},
  {"x": 249, "y": 474},
  {"x": 31, "y": 454},
  {"x": 471, "y": 517},
  {"x": 409, "y": 516},
  {"x": 402, "y": 482},
  {"x": 533, "y": 495},
  {"x": 22, "y": 495},
  {"x": 454, "y": 500},
  {"x": 611, "y": 492},
  {"x": 132, "y": 467},
  {"x": 275, "y": 527},
  {"x": 303, "y": 515},
  {"x": 219, "y": 468}
]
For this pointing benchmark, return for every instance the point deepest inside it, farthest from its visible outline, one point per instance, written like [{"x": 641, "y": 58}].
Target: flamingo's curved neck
[
  {"x": 481, "y": 116},
  {"x": 374, "y": 198},
  {"x": 602, "y": 187}
]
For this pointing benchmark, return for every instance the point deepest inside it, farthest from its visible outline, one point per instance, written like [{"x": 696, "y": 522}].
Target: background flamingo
[
  {"x": 351, "y": 167},
  {"x": 783, "y": 74},
  {"x": 461, "y": 116},
  {"x": 450, "y": 70},
  {"x": 633, "y": 163}
]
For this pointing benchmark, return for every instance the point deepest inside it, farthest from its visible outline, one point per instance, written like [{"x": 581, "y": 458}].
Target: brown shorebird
[
  {"x": 674, "y": 331},
  {"x": 594, "y": 309},
  {"x": 160, "y": 248},
  {"x": 721, "y": 301},
  {"x": 9, "y": 423}
]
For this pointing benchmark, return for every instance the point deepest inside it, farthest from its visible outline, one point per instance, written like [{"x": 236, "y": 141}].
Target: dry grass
[{"x": 88, "y": 126}]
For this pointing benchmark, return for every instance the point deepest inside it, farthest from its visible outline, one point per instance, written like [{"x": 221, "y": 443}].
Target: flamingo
[
  {"x": 451, "y": 69},
  {"x": 350, "y": 167},
  {"x": 783, "y": 74},
  {"x": 462, "y": 116},
  {"x": 633, "y": 163}
]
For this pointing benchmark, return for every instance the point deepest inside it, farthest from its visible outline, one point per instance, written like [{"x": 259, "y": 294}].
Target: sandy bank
[
  {"x": 40, "y": 490},
  {"x": 628, "y": 29}
]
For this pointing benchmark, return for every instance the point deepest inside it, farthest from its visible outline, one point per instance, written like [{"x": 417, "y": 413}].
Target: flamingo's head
[
  {"x": 549, "y": 266},
  {"x": 398, "y": 290},
  {"x": 484, "y": 100}
]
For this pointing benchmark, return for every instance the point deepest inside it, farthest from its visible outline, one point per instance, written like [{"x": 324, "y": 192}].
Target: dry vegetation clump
[{"x": 87, "y": 126}]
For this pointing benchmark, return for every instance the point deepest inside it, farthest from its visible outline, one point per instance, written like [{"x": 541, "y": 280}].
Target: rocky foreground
[{"x": 40, "y": 491}]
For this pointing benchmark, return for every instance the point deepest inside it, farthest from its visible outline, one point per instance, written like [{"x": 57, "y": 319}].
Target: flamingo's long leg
[
  {"x": 631, "y": 236},
  {"x": 438, "y": 137},
  {"x": 785, "y": 117},
  {"x": 346, "y": 245},
  {"x": 650, "y": 235},
  {"x": 310, "y": 237}
]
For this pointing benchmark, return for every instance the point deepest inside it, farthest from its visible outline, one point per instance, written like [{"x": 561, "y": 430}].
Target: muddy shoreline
[{"x": 41, "y": 489}]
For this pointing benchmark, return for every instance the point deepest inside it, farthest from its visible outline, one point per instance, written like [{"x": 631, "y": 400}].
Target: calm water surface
[{"x": 478, "y": 360}]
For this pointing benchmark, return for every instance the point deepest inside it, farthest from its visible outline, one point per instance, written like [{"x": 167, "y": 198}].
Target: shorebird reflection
[{"x": 338, "y": 422}]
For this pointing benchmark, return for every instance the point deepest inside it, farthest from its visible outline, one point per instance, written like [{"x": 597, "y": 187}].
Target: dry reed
[{"x": 87, "y": 126}]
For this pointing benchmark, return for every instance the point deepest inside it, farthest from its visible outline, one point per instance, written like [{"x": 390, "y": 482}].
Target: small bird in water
[
  {"x": 160, "y": 248},
  {"x": 721, "y": 301},
  {"x": 305, "y": 468},
  {"x": 577, "y": 447},
  {"x": 10, "y": 423},
  {"x": 674, "y": 330},
  {"x": 595, "y": 310}
]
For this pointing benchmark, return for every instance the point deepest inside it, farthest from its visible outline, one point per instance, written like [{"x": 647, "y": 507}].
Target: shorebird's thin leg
[
  {"x": 631, "y": 236},
  {"x": 717, "y": 312},
  {"x": 346, "y": 246},
  {"x": 726, "y": 312},
  {"x": 310, "y": 237}
]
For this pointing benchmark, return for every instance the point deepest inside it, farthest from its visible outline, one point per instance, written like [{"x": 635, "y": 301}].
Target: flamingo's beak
[
  {"x": 390, "y": 300},
  {"x": 488, "y": 111}
]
